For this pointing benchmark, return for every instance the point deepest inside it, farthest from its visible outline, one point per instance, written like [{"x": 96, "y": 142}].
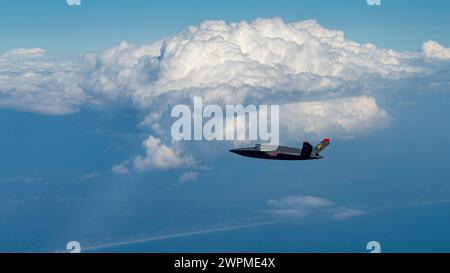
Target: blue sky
[
  {"x": 386, "y": 172},
  {"x": 65, "y": 30}
]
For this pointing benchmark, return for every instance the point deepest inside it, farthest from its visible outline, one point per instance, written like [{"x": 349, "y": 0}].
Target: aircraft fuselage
[
  {"x": 267, "y": 151},
  {"x": 281, "y": 153}
]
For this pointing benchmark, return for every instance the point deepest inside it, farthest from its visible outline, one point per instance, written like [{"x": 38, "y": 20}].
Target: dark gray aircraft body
[{"x": 263, "y": 151}]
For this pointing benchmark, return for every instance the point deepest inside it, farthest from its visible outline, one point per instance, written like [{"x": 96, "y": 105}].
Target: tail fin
[
  {"x": 320, "y": 147},
  {"x": 306, "y": 150}
]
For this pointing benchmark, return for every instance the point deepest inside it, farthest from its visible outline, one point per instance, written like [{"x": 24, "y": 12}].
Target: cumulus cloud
[
  {"x": 29, "y": 83},
  {"x": 432, "y": 49},
  {"x": 161, "y": 156},
  {"x": 229, "y": 63},
  {"x": 119, "y": 73},
  {"x": 299, "y": 207},
  {"x": 337, "y": 117},
  {"x": 267, "y": 61},
  {"x": 23, "y": 53},
  {"x": 326, "y": 83}
]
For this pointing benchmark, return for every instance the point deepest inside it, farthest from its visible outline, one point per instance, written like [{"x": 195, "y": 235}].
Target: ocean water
[{"x": 397, "y": 230}]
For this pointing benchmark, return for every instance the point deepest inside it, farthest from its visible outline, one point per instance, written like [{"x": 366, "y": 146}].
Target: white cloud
[
  {"x": 160, "y": 156},
  {"x": 337, "y": 117},
  {"x": 24, "y": 53},
  {"x": 296, "y": 207},
  {"x": 267, "y": 61},
  {"x": 327, "y": 84},
  {"x": 300, "y": 207},
  {"x": 227, "y": 63},
  {"x": 432, "y": 49},
  {"x": 117, "y": 74},
  {"x": 188, "y": 177},
  {"x": 299, "y": 202},
  {"x": 302, "y": 58},
  {"x": 28, "y": 83},
  {"x": 120, "y": 169}
]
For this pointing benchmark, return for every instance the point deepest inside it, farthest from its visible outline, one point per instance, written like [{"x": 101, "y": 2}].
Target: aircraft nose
[{"x": 236, "y": 151}]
